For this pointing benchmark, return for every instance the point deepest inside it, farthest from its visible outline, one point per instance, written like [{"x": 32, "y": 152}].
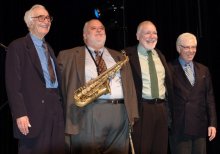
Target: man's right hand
[{"x": 23, "y": 124}]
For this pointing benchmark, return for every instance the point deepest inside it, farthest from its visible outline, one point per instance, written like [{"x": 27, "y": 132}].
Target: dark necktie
[
  {"x": 49, "y": 63},
  {"x": 101, "y": 66},
  {"x": 189, "y": 73},
  {"x": 153, "y": 76}
]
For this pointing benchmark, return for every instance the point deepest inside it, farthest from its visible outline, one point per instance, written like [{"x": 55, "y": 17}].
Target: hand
[
  {"x": 23, "y": 124},
  {"x": 211, "y": 133}
]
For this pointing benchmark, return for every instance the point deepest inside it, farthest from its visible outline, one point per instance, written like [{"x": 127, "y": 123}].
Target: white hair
[
  {"x": 85, "y": 28},
  {"x": 29, "y": 13},
  {"x": 183, "y": 37}
]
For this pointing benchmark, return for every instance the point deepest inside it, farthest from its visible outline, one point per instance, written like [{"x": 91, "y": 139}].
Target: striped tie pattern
[
  {"x": 189, "y": 73},
  {"x": 49, "y": 63},
  {"x": 101, "y": 66}
]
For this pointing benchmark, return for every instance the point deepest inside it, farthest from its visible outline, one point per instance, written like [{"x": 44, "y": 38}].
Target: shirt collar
[
  {"x": 184, "y": 63},
  {"x": 93, "y": 50},
  {"x": 142, "y": 50},
  {"x": 36, "y": 40}
]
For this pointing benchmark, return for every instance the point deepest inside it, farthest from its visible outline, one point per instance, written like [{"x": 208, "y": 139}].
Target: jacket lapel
[
  {"x": 182, "y": 76},
  {"x": 80, "y": 64},
  {"x": 32, "y": 52},
  {"x": 136, "y": 68}
]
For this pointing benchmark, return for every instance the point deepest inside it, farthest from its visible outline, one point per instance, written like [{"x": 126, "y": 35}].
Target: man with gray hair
[
  {"x": 154, "y": 91},
  {"x": 194, "y": 113},
  {"x": 101, "y": 126},
  {"x": 32, "y": 84}
]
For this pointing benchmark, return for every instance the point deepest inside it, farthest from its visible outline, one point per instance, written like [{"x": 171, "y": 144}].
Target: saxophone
[{"x": 98, "y": 86}]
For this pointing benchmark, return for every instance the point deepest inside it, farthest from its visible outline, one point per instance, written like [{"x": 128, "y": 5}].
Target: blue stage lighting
[{"x": 97, "y": 13}]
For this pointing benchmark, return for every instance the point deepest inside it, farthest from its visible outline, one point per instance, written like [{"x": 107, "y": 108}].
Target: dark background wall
[{"x": 121, "y": 18}]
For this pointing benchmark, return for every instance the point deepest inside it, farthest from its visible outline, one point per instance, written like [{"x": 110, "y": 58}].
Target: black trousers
[
  {"x": 150, "y": 132},
  {"x": 184, "y": 144},
  {"x": 51, "y": 138}
]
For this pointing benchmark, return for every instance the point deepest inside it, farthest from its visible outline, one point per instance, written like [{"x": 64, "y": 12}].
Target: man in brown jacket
[{"x": 103, "y": 125}]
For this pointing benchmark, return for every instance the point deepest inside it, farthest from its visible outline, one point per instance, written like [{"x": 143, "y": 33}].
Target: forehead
[
  {"x": 147, "y": 27},
  {"x": 188, "y": 41},
  {"x": 95, "y": 23},
  {"x": 39, "y": 11}
]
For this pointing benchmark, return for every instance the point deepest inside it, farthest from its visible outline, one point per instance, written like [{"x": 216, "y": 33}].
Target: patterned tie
[
  {"x": 153, "y": 76},
  {"x": 49, "y": 63},
  {"x": 189, "y": 73},
  {"x": 101, "y": 66}
]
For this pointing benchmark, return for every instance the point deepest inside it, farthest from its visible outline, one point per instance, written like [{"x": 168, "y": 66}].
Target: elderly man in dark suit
[
  {"x": 32, "y": 83},
  {"x": 150, "y": 133},
  {"x": 102, "y": 126},
  {"x": 194, "y": 113}
]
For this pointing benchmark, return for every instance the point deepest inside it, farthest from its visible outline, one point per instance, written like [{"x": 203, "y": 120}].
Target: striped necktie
[
  {"x": 101, "y": 66},
  {"x": 49, "y": 63},
  {"x": 189, "y": 73}
]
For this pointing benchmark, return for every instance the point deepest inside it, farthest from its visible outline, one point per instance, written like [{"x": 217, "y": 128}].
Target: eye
[{"x": 188, "y": 47}]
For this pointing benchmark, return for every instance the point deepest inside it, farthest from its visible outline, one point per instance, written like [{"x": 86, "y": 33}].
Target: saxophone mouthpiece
[{"x": 123, "y": 52}]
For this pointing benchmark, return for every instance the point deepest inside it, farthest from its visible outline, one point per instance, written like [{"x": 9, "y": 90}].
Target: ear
[
  {"x": 137, "y": 36},
  {"x": 30, "y": 24},
  {"x": 84, "y": 36},
  {"x": 178, "y": 49}
]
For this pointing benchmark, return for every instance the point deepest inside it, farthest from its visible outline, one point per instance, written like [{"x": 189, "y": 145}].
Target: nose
[{"x": 98, "y": 29}]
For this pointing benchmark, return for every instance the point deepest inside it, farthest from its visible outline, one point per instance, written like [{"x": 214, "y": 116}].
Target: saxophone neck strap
[{"x": 90, "y": 52}]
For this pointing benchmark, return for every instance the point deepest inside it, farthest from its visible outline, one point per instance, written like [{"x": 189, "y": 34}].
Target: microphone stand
[
  {"x": 124, "y": 24},
  {"x": 3, "y": 105},
  {"x": 3, "y": 46}
]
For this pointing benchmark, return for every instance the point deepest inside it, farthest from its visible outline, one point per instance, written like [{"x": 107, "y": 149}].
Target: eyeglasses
[
  {"x": 41, "y": 18},
  {"x": 188, "y": 47}
]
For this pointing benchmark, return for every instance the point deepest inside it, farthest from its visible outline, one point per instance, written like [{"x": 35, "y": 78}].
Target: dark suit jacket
[
  {"x": 25, "y": 84},
  {"x": 72, "y": 64},
  {"x": 136, "y": 69},
  {"x": 194, "y": 107}
]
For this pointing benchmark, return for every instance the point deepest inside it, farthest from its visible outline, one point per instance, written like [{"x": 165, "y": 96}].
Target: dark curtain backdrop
[{"x": 121, "y": 18}]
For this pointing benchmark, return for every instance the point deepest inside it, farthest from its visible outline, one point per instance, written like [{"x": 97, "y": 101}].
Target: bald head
[{"x": 94, "y": 34}]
